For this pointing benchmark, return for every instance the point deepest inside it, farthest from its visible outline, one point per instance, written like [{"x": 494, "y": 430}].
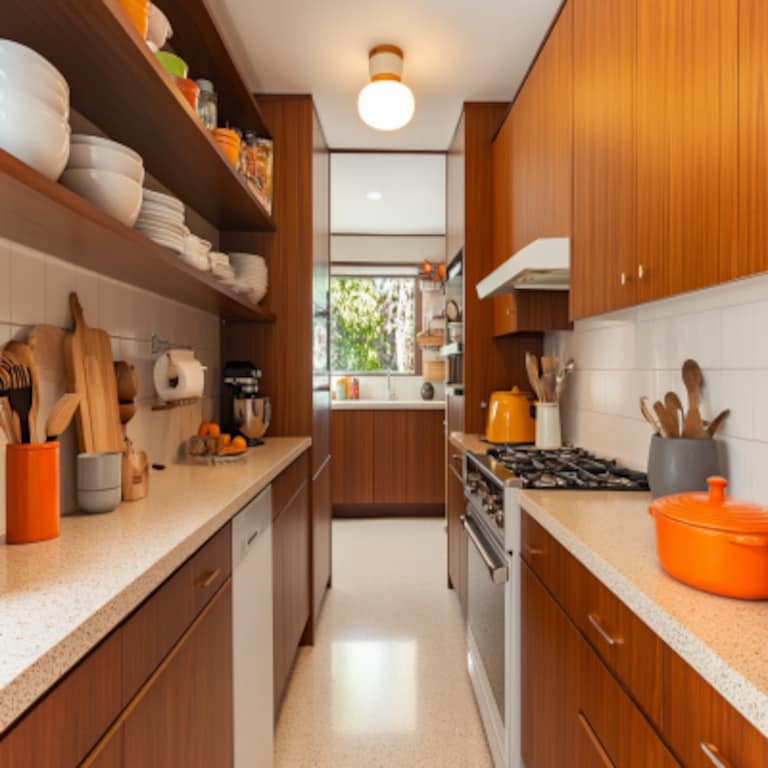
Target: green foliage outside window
[{"x": 373, "y": 324}]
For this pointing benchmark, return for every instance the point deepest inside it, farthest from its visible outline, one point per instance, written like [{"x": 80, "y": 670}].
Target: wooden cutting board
[
  {"x": 47, "y": 345},
  {"x": 91, "y": 373}
]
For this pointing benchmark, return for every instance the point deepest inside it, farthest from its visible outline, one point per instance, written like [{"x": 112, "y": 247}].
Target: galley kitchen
[{"x": 383, "y": 386}]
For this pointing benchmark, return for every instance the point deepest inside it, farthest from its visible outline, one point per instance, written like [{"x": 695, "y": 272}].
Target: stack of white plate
[
  {"x": 218, "y": 259},
  {"x": 196, "y": 252},
  {"x": 225, "y": 273},
  {"x": 251, "y": 275},
  {"x": 108, "y": 174},
  {"x": 34, "y": 110},
  {"x": 162, "y": 219}
]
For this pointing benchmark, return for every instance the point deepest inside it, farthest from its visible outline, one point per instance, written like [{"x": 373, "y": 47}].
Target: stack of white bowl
[
  {"x": 196, "y": 251},
  {"x": 34, "y": 109},
  {"x": 108, "y": 174},
  {"x": 162, "y": 219},
  {"x": 251, "y": 275}
]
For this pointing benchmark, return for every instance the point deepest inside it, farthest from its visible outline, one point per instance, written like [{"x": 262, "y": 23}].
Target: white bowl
[
  {"x": 114, "y": 193},
  {"x": 34, "y": 133},
  {"x": 105, "y": 159},
  {"x": 29, "y": 70},
  {"x": 99, "y": 502},
  {"x": 38, "y": 89},
  {"x": 159, "y": 30},
  {"x": 100, "y": 141}
]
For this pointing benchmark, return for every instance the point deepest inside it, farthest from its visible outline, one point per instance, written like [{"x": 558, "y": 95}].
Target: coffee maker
[{"x": 250, "y": 411}]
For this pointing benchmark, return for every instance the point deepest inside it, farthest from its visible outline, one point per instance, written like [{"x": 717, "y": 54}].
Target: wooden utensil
[
  {"x": 692, "y": 378},
  {"x": 20, "y": 398},
  {"x": 6, "y": 421},
  {"x": 91, "y": 374},
  {"x": 675, "y": 410},
  {"x": 61, "y": 415},
  {"x": 135, "y": 475},
  {"x": 645, "y": 409},
  {"x": 127, "y": 385},
  {"x": 668, "y": 423},
  {"x": 717, "y": 422},
  {"x": 532, "y": 367},
  {"x": 47, "y": 345},
  {"x": 22, "y": 354}
]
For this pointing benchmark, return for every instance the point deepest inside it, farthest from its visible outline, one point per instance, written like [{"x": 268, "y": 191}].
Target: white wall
[
  {"x": 398, "y": 249},
  {"x": 35, "y": 288},
  {"x": 641, "y": 351}
]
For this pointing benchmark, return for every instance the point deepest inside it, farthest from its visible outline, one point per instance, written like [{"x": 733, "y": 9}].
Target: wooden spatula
[
  {"x": 693, "y": 427},
  {"x": 675, "y": 410},
  {"x": 61, "y": 415}
]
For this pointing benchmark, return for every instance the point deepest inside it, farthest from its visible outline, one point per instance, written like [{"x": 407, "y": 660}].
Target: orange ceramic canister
[
  {"x": 32, "y": 506},
  {"x": 138, "y": 12}
]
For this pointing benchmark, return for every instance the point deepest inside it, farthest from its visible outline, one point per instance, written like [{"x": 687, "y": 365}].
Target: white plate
[{"x": 167, "y": 201}]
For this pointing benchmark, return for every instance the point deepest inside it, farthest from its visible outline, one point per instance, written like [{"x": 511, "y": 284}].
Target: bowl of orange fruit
[{"x": 213, "y": 444}]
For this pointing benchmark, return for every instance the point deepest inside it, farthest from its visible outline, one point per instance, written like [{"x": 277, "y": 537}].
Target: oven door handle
[{"x": 499, "y": 573}]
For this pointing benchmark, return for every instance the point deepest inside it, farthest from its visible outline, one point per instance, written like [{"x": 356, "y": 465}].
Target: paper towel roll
[{"x": 178, "y": 375}]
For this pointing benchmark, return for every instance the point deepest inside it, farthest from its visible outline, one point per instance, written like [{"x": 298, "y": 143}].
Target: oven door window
[{"x": 486, "y": 607}]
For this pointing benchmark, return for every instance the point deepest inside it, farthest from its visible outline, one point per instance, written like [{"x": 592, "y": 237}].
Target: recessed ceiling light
[
  {"x": 374, "y": 195},
  {"x": 386, "y": 103}
]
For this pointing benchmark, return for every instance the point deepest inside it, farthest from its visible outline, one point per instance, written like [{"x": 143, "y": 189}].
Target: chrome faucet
[{"x": 390, "y": 391}]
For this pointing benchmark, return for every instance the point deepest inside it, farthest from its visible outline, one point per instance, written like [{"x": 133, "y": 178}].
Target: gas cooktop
[{"x": 567, "y": 469}]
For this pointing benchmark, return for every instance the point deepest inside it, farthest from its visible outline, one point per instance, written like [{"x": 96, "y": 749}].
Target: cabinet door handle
[
  {"x": 605, "y": 758},
  {"x": 532, "y": 551},
  {"x": 252, "y": 537},
  {"x": 713, "y": 755},
  {"x": 207, "y": 579},
  {"x": 623, "y": 278},
  {"x": 594, "y": 620},
  {"x": 640, "y": 271}
]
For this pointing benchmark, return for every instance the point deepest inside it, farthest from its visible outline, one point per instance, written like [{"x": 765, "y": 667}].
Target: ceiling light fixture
[
  {"x": 386, "y": 103},
  {"x": 374, "y": 195}
]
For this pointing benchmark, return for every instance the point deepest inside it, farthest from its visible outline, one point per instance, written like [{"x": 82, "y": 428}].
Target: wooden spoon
[
  {"x": 648, "y": 415},
  {"x": 675, "y": 411},
  {"x": 717, "y": 422},
  {"x": 61, "y": 415},
  {"x": 532, "y": 366},
  {"x": 693, "y": 426},
  {"x": 667, "y": 421}
]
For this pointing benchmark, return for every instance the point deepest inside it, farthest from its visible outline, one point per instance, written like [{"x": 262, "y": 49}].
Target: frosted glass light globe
[{"x": 386, "y": 105}]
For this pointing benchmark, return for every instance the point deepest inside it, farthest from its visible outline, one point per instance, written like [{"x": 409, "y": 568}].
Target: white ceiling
[
  {"x": 455, "y": 51},
  {"x": 411, "y": 189}
]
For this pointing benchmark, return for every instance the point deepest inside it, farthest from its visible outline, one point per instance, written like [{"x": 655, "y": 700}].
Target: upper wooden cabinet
[
  {"x": 687, "y": 125},
  {"x": 752, "y": 254},
  {"x": 604, "y": 218},
  {"x": 532, "y": 179}
]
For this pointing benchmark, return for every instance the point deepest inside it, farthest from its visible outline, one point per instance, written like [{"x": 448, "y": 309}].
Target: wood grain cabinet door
[
  {"x": 352, "y": 451},
  {"x": 184, "y": 715},
  {"x": 390, "y": 456},
  {"x": 425, "y": 457},
  {"x": 752, "y": 253},
  {"x": 604, "y": 210},
  {"x": 687, "y": 143}
]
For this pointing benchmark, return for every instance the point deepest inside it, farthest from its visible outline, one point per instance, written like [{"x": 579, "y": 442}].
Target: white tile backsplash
[
  {"x": 35, "y": 288},
  {"x": 640, "y": 351}
]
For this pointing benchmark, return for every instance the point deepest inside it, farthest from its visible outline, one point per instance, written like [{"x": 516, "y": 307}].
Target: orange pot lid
[{"x": 713, "y": 510}]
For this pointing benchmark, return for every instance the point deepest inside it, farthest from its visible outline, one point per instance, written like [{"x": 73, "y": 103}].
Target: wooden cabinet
[
  {"x": 291, "y": 576},
  {"x": 687, "y": 143},
  {"x": 388, "y": 458},
  {"x": 532, "y": 179},
  {"x": 752, "y": 253},
  {"x": 352, "y": 452},
  {"x": 184, "y": 716},
  {"x": 604, "y": 196},
  {"x": 109, "y": 751}
]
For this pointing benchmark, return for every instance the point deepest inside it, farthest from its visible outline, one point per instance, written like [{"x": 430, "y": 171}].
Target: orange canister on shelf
[{"x": 32, "y": 507}]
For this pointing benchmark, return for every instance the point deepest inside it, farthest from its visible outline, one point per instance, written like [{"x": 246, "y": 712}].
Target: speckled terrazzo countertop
[
  {"x": 59, "y": 598},
  {"x": 724, "y": 640}
]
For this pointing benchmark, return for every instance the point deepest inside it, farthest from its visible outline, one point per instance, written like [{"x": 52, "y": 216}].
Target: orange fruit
[
  {"x": 239, "y": 443},
  {"x": 214, "y": 430},
  {"x": 225, "y": 440},
  {"x": 441, "y": 271},
  {"x": 202, "y": 430},
  {"x": 426, "y": 267}
]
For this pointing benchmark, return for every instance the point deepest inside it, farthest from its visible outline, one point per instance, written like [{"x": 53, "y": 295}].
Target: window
[{"x": 373, "y": 324}]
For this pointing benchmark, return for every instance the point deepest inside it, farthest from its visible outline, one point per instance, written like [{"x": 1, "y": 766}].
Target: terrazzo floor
[{"x": 385, "y": 685}]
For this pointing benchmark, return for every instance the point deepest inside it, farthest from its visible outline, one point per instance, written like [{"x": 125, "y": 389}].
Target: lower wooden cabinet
[{"x": 352, "y": 452}]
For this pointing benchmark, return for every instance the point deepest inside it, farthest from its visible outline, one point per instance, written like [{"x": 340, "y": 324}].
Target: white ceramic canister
[{"x": 548, "y": 435}]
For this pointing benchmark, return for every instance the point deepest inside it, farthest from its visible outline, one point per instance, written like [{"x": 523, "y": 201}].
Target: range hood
[{"x": 542, "y": 265}]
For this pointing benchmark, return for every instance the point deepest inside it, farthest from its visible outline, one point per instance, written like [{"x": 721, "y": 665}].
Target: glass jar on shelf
[{"x": 207, "y": 104}]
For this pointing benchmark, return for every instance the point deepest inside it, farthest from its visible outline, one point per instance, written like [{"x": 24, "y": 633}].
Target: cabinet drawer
[
  {"x": 287, "y": 484},
  {"x": 701, "y": 727},
  {"x": 151, "y": 632},
  {"x": 631, "y": 650}
]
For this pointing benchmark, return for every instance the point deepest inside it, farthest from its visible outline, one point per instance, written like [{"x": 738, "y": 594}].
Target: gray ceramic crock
[{"x": 679, "y": 465}]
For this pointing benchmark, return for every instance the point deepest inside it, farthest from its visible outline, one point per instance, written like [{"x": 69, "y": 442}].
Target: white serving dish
[
  {"x": 105, "y": 159},
  {"x": 34, "y": 133},
  {"x": 159, "y": 30},
  {"x": 101, "y": 141},
  {"x": 115, "y": 194}
]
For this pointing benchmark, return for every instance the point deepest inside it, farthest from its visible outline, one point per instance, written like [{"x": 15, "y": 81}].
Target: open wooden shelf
[
  {"x": 44, "y": 215},
  {"x": 118, "y": 84}
]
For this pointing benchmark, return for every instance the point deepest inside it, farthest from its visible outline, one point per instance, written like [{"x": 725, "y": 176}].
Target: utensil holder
[
  {"x": 32, "y": 506},
  {"x": 679, "y": 465},
  {"x": 548, "y": 434}
]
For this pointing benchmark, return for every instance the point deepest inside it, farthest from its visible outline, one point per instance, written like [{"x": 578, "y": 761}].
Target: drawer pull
[
  {"x": 532, "y": 551},
  {"x": 714, "y": 756},
  {"x": 208, "y": 578},
  {"x": 594, "y": 620},
  {"x": 605, "y": 758},
  {"x": 252, "y": 538}
]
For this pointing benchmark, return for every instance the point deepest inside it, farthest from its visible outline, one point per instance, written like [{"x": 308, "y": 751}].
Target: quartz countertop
[
  {"x": 60, "y": 598},
  {"x": 467, "y": 442},
  {"x": 388, "y": 405},
  {"x": 612, "y": 534}
]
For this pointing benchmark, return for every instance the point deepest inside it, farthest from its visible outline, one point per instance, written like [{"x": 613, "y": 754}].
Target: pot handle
[{"x": 748, "y": 540}]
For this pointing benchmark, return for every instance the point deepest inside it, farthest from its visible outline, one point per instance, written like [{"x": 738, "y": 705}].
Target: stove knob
[{"x": 500, "y": 519}]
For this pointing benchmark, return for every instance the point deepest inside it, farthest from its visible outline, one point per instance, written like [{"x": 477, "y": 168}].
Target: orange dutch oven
[{"x": 713, "y": 542}]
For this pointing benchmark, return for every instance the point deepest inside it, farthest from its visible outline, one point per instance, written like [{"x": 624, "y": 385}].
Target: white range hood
[{"x": 542, "y": 265}]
